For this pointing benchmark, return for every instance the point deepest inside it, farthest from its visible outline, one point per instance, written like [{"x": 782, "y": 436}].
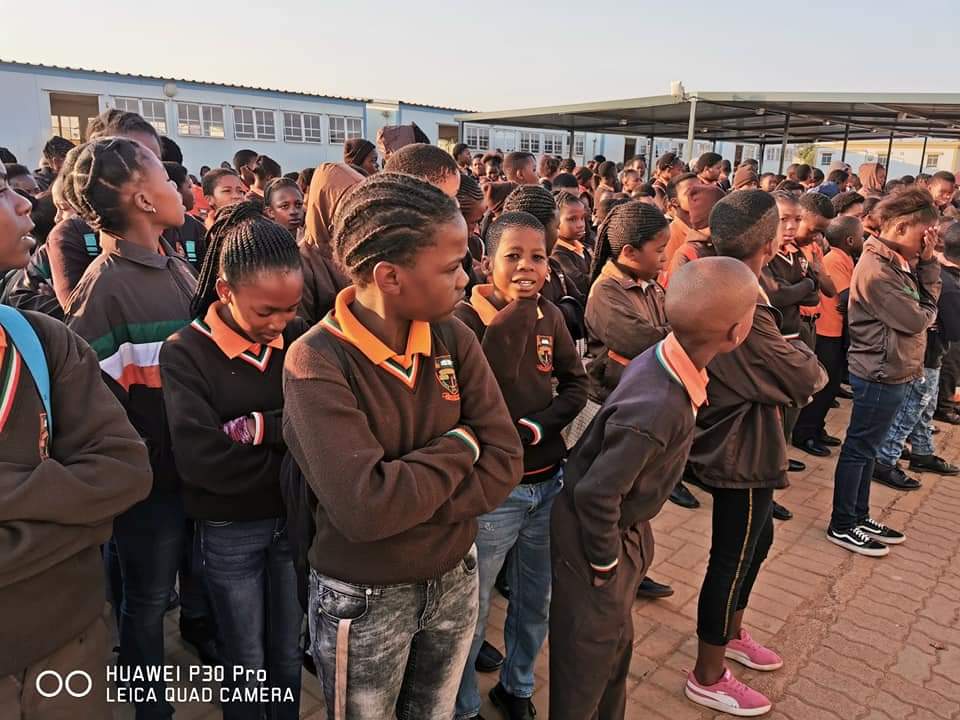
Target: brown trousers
[
  {"x": 85, "y": 656},
  {"x": 591, "y": 629}
]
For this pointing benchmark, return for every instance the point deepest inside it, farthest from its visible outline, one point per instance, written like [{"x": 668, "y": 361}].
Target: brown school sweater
[
  {"x": 128, "y": 302},
  {"x": 622, "y": 471},
  {"x": 322, "y": 280},
  {"x": 59, "y": 495},
  {"x": 789, "y": 283},
  {"x": 402, "y": 470},
  {"x": 575, "y": 260},
  {"x": 624, "y": 318},
  {"x": 739, "y": 439},
  {"x": 528, "y": 345},
  {"x": 212, "y": 375}
]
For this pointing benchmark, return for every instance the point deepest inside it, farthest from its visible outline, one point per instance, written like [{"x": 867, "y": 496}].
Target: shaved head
[{"x": 710, "y": 305}]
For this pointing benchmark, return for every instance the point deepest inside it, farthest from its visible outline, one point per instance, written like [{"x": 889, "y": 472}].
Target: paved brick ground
[{"x": 863, "y": 639}]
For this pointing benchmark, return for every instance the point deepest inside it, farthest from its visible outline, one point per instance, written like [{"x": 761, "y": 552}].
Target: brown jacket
[
  {"x": 739, "y": 440},
  {"x": 58, "y": 498},
  {"x": 624, "y": 317},
  {"x": 889, "y": 312},
  {"x": 403, "y": 465}
]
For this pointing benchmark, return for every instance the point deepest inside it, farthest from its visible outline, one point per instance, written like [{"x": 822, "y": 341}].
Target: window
[
  {"x": 772, "y": 153},
  {"x": 66, "y": 126},
  {"x": 553, "y": 143},
  {"x": 313, "y": 128},
  {"x": 293, "y": 127},
  {"x": 344, "y": 128},
  {"x": 933, "y": 161},
  {"x": 266, "y": 129},
  {"x": 578, "y": 142},
  {"x": 250, "y": 124},
  {"x": 153, "y": 111},
  {"x": 198, "y": 120},
  {"x": 477, "y": 138},
  {"x": 530, "y": 142},
  {"x": 826, "y": 158},
  {"x": 127, "y": 104},
  {"x": 882, "y": 159}
]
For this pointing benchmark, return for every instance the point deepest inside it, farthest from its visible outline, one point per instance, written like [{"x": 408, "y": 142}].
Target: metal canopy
[{"x": 759, "y": 118}]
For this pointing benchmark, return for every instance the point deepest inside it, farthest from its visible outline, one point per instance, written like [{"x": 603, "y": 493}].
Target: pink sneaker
[
  {"x": 728, "y": 695},
  {"x": 747, "y": 651}
]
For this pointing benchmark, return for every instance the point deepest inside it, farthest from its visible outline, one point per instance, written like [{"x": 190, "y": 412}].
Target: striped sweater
[{"x": 127, "y": 303}]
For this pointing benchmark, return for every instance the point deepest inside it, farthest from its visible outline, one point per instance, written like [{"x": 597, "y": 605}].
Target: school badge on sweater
[
  {"x": 545, "y": 353},
  {"x": 447, "y": 377}
]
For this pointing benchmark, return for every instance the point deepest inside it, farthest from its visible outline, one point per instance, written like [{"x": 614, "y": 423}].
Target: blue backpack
[{"x": 25, "y": 339}]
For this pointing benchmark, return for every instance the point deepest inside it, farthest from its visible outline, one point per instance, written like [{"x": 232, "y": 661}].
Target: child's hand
[{"x": 930, "y": 238}]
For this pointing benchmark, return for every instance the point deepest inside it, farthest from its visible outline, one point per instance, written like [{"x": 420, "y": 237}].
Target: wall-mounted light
[{"x": 170, "y": 89}]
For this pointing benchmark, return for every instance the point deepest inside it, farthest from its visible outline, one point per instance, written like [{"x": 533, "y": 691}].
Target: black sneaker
[
  {"x": 880, "y": 532},
  {"x": 780, "y": 512},
  {"x": 683, "y": 497},
  {"x": 513, "y": 707},
  {"x": 892, "y": 476},
  {"x": 934, "y": 464},
  {"x": 855, "y": 540}
]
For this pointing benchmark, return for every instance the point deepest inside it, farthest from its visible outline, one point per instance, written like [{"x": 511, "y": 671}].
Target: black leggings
[{"x": 742, "y": 536}]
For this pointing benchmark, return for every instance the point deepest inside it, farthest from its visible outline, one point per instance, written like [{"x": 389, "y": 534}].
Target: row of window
[
  {"x": 478, "y": 138},
  {"x": 200, "y": 120},
  {"x": 931, "y": 162}
]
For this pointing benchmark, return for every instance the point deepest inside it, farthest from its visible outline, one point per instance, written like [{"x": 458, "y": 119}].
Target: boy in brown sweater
[
  {"x": 63, "y": 481},
  {"x": 618, "y": 478},
  {"x": 528, "y": 346},
  {"x": 416, "y": 444}
]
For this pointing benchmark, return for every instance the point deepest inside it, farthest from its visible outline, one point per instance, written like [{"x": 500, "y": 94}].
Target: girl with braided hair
[
  {"x": 417, "y": 443},
  {"x": 570, "y": 250},
  {"x": 223, "y": 393},
  {"x": 130, "y": 299}
]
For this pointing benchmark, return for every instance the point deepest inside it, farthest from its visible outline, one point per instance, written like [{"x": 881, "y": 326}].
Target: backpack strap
[
  {"x": 91, "y": 244},
  {"x": 27, "y": 343}
]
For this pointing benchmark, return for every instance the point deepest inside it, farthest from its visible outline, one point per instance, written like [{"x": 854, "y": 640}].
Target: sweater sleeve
[
  {"x": 572, "y": 384},
  {"x": 368, "y": 497},
  {"x": 206, "y": 457},
  {"x": 618, "y": 324},
  {"x": 784, "y": 295},
  {"x": 68, "y": 259},
  {"x": 98, "y": 466},
  {"x": 889, "y": 299},
  {"x": 599, "y": 494}
]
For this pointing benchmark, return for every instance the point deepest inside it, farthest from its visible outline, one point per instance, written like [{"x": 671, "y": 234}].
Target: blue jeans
[
  {"x": 393, "y": 651},
  {"x": 253, "y": 589},
  {"x": 148, "y": 539},
  {"x": 874, "y": 407},
  {"x": 522, "y": 520},
  {"x": 913, "y": 419}
]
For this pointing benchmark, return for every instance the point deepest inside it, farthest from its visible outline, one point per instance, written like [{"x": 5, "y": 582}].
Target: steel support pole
[
  {"x": 763, "y": 149},
  {"x": 691, "y": 129},
  {"x": 570, "y": 146},
  {"x": 923, "y": 155},
  {"x": 846, "y": 137},
  {"x": 650, "y": 159},
  {"x": 889, "y": 154},
  {"x": 783, "y": 145}
]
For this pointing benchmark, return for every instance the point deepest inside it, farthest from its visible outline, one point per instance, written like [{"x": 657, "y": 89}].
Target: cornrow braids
[
  {"x": 278, "y": 184},
  {"x": 564, "y": 197},
  {"x": 505, "y": 222},
  {"x": 631, "y": 223},
  {"x": 388, "y": 217},
  {"x": 533, "y": 199},
  {"x": 93, "y": 175},
  {"x": 115, "y": 122},
  {"x": 242, "y": 242}
]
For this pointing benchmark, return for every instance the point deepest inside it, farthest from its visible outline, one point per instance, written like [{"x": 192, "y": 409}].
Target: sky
[{"x": 499, "y": 54}]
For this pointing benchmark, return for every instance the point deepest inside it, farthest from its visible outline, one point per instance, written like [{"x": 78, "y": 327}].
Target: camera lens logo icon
[{"x": 77, "y": 684}]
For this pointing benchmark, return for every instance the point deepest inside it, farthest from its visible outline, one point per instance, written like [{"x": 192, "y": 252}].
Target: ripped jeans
[
  {"x": 521, "y": 522},
  {"x": 393, "y": 651}
]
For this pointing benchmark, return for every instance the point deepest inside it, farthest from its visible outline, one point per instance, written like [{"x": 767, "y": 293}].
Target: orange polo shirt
[{"x": 839, "y": 266}]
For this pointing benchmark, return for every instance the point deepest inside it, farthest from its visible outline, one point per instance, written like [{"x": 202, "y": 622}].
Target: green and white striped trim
[
  {"x": 136, "y": 334},
  {"x": 533, "y": 427},
  {"x": 467, "y": 438}
]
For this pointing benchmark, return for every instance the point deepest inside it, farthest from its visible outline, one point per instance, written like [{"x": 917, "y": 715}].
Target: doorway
[
  {"x": 70, "y": 113},
  {"x": 447, "y": 136},
  {"x": 629, "y": 149}
]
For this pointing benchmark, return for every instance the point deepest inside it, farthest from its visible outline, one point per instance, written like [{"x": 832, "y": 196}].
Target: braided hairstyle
[
  {"x": 632, "y": 223},
  {"x": 564, "y": 197},
  {"x": 388, "y": 217},
  {"x": 111, "y": 123},
  {"x": 242, "y": 242},
  {"x": 533, "y": 199},
  {"x": 93, "y": 175},
  {"x": 505, "y": 222}
]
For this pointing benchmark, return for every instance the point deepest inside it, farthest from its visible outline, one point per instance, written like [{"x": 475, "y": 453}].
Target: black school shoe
[
  {"x": 812, "y": 446},
  {"x": 892, "y": 476},
  {"x": 829, "y": 440},
  {"x": 947, "y": 416},
  {"x": 489, "y": 659},
  {"x": 653, "y": 590},
  {"x": 683, "y": 497},
  {"x": 780, "y": 512},
  {"x": 795, "y": 466},
  {"x": 933, "y": 464},
  {"x": 512, "y": 707}
]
